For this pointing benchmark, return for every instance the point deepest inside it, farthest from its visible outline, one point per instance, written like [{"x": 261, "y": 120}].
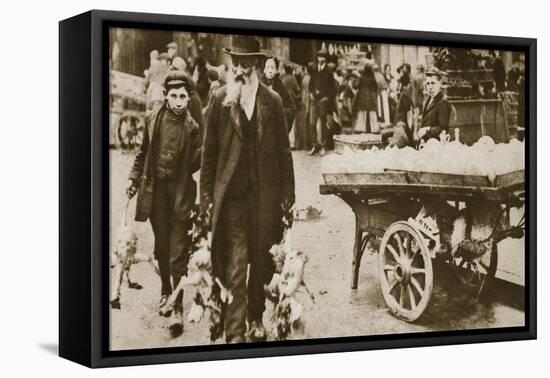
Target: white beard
[
  {"x": 236, "y": 91},
  {"x": 233, "y": 90}
]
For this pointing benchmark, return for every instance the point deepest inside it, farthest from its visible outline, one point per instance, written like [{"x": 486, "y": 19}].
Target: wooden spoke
[
  {"x": 411, "y": 297},
  {"x": 408, "y": 247},
  {"x": 474, "y": 275},
  {"x": 402, "y": 296},
  {"x": 417, "y": 286},
  {"x": 388, "y": 267},
  {"x": 392, "y": 286},
  {"x": 393, "y": 252},
  {"x": 399, "y": 244},
  {"x": 418, "y": 271}
]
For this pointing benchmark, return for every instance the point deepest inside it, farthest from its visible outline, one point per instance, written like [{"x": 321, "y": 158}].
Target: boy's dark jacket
[{"x": 143, "y": 169}]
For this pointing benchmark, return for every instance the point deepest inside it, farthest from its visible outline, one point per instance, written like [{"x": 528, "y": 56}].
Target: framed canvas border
[{"x": 84, "y": 189}]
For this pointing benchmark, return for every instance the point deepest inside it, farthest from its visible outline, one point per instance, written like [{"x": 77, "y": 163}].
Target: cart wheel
[
  {"x": 405, "y": 271},
  {"x": 476, "y": 274},
  {"x": 129, "y": 131}
]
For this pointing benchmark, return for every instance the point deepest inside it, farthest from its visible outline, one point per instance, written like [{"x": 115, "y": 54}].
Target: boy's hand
[{"x": 131, "y": 189}]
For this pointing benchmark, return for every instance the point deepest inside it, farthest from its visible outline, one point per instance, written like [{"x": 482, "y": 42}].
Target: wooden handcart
[
  {"x": 393, "y": 211},
  {"x": 128, "y": 110}
]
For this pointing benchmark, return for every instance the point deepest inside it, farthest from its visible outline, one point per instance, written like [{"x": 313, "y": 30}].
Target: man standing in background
[
  {"x": 322, "y": 91},
  {"x": 418, "y": 88},
  {"x": 172, "y": 51}
]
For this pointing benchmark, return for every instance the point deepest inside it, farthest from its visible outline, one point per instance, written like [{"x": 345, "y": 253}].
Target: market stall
[{"x": 447, "y": 200}]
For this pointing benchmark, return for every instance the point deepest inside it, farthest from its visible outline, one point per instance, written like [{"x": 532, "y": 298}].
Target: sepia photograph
[{"x": 266, "y": 188}]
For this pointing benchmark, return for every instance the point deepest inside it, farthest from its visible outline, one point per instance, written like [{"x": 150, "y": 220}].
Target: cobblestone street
[{"x": 338, "y": 311}]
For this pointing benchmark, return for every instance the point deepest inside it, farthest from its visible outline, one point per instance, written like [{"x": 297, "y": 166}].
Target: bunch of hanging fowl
[{"x": 209, "y": 293}]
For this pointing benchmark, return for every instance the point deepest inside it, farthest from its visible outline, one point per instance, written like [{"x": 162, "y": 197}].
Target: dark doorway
[
  {"x": 301, "y": 51},
  {"x": 146, "y": 41}
]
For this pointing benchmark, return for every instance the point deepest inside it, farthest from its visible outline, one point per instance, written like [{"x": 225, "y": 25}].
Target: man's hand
[
  {"x": 422, "y": 132},
  {"x": 131, "y": 188}
]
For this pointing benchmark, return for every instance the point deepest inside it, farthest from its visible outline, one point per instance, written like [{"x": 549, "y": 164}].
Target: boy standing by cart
[{"x": 162, "y": 177}]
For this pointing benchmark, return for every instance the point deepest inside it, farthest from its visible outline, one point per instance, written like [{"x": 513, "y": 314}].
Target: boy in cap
[{"x": 162, "y": 177}]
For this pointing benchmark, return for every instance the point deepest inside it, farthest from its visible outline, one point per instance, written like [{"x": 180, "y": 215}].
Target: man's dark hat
[{"x": 244, "y": 45}]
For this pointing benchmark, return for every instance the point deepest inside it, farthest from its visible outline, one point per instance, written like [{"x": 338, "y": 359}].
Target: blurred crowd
[{"x": 324, "y": 97}]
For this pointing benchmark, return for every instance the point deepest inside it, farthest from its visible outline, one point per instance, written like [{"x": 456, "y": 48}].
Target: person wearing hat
[
  {"x": 214, "y": 84},
  {"x": 402, "y": 131},
  {"x": 436, "y": 110},
  {"x": 365, "y": 102},
  {"x": 247, "y": 181},
  {"x": 418, "y": 87},
  {"x": 322, "y": 89},
  {"x": 195, "y": 106},
  {"x": 172, "y": 51},
  {"x": 271, "y": 78},
  {"x": 154, "y": 81},
  {"x": 162, "y": 177}
]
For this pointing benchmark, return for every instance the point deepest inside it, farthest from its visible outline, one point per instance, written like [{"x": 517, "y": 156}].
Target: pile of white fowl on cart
[{"x": 483, "y": 158}]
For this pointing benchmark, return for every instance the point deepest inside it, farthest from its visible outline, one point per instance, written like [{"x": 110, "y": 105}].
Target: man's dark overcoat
[{"x": 221, "y": 151}]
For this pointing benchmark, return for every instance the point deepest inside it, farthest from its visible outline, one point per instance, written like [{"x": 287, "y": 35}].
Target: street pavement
[{"x": 338, "y": 311}]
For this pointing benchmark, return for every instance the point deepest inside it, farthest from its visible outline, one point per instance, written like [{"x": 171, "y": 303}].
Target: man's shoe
[
  {"x": 163, "y": 309},
  {"x": 322, "y": 152},
  {"x": 257, "y": 331},
  {"x": 313, "y": 151}
]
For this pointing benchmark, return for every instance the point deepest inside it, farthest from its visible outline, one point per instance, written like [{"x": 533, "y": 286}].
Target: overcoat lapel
[
  {"x": 262, "y": 112},
  {"x": 262, "y": 109},
  {"x": 236, "y": 118},
  {"x": 424, "y": 106},
  {"x": 434, "y": 102}
]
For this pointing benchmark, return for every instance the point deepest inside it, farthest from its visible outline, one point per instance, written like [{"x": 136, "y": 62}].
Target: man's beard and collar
[{"x": 242, "y": 89}]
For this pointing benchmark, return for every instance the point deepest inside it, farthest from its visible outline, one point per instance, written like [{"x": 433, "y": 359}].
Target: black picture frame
[{"x": 84, "y": 189}]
